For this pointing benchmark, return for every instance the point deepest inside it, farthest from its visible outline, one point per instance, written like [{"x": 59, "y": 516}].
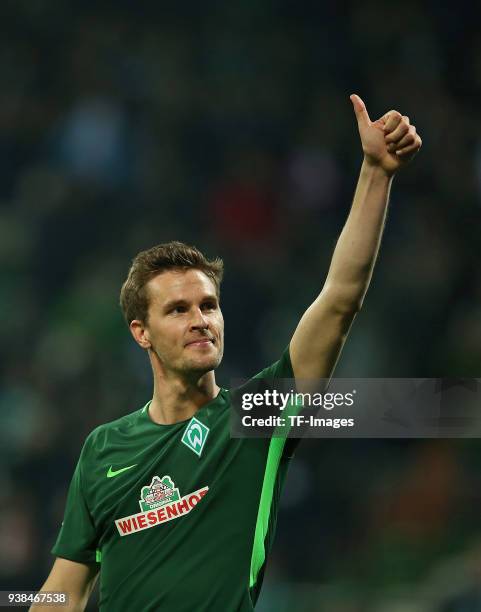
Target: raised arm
[
  {"x": 388, "y": 143},
  {"x": 75, "y": 579}
]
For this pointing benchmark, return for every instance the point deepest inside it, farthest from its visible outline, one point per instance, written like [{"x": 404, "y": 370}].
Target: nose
[{"x": 198, "y": 320}]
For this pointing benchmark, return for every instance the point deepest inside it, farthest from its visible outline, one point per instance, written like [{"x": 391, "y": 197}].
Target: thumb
[{"x": 362, "y": 115}]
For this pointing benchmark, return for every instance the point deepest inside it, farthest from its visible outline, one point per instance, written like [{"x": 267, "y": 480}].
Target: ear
[{"x": 140, "y": 333}]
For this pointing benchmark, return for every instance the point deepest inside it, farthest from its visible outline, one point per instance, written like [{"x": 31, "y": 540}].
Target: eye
[
  {"x": 178, "y": 309},
  {"x": 209, "y": 305}
]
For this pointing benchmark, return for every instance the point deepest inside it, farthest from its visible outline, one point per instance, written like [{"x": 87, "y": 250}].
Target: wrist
[{"x": 375, "y": 170}]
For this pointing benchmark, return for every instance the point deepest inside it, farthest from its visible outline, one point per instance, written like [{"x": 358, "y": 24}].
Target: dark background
[{"x": 228, "y": 125}]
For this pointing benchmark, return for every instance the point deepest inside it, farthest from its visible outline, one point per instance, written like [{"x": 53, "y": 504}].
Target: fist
[{"x": 389, "y": 142}]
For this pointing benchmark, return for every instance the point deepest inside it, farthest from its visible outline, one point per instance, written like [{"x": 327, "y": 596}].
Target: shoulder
[
  {"x": 282, "y": 368},
  {"x": 279, "y": 369},
  {"x": 103, "y": 434}
]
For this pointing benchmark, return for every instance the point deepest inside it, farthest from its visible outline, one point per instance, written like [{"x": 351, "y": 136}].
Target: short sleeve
[
  {"x": 77, "y": 539},
  {"x": 280, "y": 369}
]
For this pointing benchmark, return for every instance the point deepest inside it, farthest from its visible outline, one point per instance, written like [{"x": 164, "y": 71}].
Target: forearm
[
  {"x": 75, "y": 579},
  {"x": 73, "y": 606},
  {"x": 76, "y": 602},
  {"x": 358, "y": 245}
]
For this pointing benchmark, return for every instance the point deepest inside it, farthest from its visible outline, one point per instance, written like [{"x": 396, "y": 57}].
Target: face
[{"x": 185, "y": 326}]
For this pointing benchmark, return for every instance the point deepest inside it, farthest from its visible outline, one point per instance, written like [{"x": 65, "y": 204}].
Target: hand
[{"x": 390, "y": 142}]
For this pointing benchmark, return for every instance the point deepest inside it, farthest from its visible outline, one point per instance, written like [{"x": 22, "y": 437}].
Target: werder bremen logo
[
  {"x": 195, "y": 435},
  {"x": 160, "y": 492}
]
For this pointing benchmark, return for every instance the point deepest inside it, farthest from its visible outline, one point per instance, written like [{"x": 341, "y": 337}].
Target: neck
[{"x": 177, "y": 398}]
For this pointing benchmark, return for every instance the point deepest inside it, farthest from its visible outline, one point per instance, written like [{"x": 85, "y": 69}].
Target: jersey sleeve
[
  {"x": 282, "y": 369},
  {"x": 77, "y": 539}
]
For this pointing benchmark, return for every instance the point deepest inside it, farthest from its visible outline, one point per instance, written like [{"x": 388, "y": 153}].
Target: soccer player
[{"x": 168, "y": 509}]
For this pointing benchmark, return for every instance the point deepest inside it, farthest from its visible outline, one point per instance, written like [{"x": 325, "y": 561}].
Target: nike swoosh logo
[{"x": 111, "y": 473}]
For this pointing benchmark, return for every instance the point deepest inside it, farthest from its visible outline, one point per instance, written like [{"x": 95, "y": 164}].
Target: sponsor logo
[
  {"x": 112, "y": 473},
  {"x": 159, "y": 492},
  {"x": 195, "y": 435},
  {"x": 163, "y": 514}
]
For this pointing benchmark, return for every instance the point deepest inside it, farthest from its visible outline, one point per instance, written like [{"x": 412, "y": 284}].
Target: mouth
[{"x": 201, "y": 342}]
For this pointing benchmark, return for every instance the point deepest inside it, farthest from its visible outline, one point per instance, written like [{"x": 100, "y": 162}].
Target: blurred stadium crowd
[{"x": 229, "y": 125}]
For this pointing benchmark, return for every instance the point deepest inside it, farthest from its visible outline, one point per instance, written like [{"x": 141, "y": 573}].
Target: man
[{"x": 173, "y": 513}]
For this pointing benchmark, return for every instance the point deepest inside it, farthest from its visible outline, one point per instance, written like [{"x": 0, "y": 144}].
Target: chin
[{"x": 203, "y": 365}]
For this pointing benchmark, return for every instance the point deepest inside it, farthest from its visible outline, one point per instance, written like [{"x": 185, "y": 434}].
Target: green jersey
[{"x": 179, "y": 517}]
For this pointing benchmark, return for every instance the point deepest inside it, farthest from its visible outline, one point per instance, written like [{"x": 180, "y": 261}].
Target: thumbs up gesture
[{"x": 389, "y": 142}]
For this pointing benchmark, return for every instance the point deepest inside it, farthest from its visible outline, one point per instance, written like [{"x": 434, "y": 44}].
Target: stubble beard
[
  {"x": 201, "y": 366},
  {"x": 191, "y": 366}
]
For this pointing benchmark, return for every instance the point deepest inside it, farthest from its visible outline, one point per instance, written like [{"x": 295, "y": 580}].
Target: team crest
[
  {"x": 160, "y": 492},
  {"x": 195, "y": 435}
]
